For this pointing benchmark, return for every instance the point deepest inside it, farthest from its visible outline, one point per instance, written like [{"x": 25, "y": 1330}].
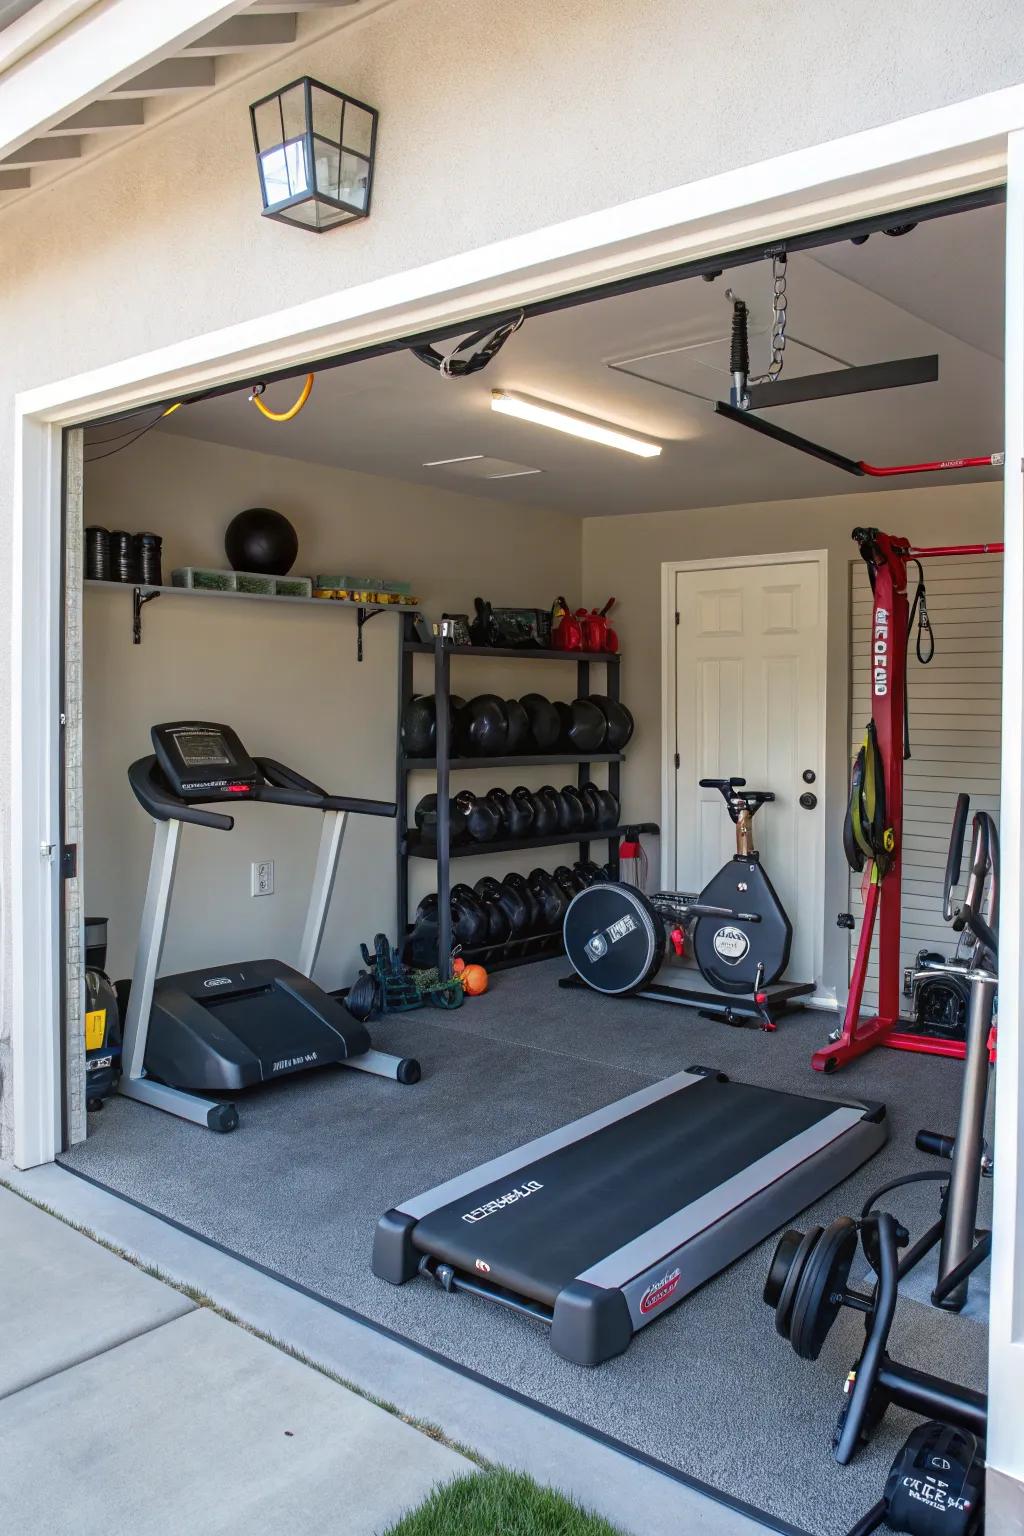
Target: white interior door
[{"x": 750, "y": 702}]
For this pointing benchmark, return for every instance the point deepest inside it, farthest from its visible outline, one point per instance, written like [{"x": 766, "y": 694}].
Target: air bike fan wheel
[{"x": 614, "y": 939}]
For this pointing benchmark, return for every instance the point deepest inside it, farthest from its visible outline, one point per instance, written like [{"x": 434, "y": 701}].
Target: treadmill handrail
[
  {"x": 286, "y": 787},
  {"x": 151, "y": 791}
]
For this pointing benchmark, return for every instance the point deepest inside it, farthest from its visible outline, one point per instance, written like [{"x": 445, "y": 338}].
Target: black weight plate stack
[{"x": 614, "y": 938}]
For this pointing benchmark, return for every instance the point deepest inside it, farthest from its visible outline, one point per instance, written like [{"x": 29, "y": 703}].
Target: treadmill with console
[
  {"x": 600, "y": 1227},
  {"x": 231, "y": 1027}
]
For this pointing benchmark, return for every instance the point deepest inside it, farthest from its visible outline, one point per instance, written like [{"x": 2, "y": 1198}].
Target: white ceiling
[{"x": 937, "y": 289}]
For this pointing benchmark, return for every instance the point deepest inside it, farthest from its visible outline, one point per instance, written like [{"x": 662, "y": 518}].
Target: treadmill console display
[{"x": 204, "y": 761}]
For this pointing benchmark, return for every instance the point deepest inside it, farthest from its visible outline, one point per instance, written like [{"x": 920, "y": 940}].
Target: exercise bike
[
  {"x": 808, "y": 1278},
  {"x": 617, "y": 939}
]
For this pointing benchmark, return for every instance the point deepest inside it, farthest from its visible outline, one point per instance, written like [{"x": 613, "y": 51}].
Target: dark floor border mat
[{"x": 718, "y": 1495}]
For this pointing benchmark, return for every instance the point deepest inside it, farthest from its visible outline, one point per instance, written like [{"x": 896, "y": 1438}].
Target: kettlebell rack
[{"x": 409, "y": 843}]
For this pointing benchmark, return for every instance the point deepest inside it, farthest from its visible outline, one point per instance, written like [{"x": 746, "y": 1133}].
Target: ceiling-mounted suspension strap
[
  {"x": 924, "y": 646},
  {"x": 479, "y": 349}
]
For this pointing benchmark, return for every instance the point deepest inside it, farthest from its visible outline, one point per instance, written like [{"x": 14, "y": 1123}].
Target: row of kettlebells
[
  {"x": 523, "y": 813},
  {"x": 493, "y": 912}
]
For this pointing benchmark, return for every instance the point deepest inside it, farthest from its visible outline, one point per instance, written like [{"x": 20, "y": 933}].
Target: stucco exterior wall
[{"x": 495, "y": 119}]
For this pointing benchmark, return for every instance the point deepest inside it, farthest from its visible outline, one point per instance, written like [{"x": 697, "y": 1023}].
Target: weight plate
[
  {"x": 614, "y": 938},
  {"x": 825, "y": 1275},
  {"x": 784, "y": 1299}
]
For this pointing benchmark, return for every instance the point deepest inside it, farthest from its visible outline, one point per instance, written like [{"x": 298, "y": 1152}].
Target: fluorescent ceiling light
[{"x": 544, "y": 415}]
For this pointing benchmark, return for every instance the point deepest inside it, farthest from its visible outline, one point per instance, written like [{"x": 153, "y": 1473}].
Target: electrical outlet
[{"x": 263, "y": 878}]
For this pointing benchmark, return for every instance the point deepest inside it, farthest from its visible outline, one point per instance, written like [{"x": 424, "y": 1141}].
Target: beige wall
[
  {"x": 625, "y": 555},
  {"x": 287, "y": 679},
  {"x": 495, "y": 119}
]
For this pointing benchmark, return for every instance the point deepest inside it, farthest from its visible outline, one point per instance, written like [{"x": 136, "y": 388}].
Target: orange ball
[
  {"x": 474, "y": 980},
  {"x": 458, "y": 965}
]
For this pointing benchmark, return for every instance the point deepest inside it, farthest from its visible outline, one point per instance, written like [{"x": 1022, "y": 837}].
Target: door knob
[
  {"x": 808, "y": 801},
  {"x": 808, "y": 775}
]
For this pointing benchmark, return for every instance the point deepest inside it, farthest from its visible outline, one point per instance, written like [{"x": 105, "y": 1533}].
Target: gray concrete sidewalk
[{"x": 126, "y": 1408}]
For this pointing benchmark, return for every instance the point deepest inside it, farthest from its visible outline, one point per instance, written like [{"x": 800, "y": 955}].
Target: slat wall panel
[{"x": 954, "y": 734}]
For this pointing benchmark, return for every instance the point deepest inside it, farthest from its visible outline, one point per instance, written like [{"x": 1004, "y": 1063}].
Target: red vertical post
[
  {"x": 888, "y": 699},
  {"x": 887, "y": 672}
]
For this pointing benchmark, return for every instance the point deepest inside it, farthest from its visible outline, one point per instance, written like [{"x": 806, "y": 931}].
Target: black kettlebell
[
  {"x": 545, "y": 822},
  {"x": 425, "y": 816},
  {"x": 487, "y": 725},
  {"x": 518, "y": 884},
  {"x": 499, "y": 928},
  {"x": 418, "y": 726},
  {"x": 610, "y": 811},
  {"x": 518, "y": 727},
  {"x": 570, "y": 882},
  {"x": 545, "y": 726},
  {"x": 576, "y": 810},
  {"x": 557, "y": 809},
  {"x": 479, "y": 816},
  {"x": 420, "y": 946},
  {"x": 516, "y": 812},
  {"x": 510, "y": 902},
  {"x": 620, "y": 721},
  {"x": 583, "y": 726},
  {"x": 588, "y": 871},
  {"x": 469, "y": 920},
  {"x": 551, "y": 900}
]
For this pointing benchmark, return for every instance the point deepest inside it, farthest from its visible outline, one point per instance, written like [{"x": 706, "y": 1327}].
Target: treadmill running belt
[{"x": 597, "y": 1194}]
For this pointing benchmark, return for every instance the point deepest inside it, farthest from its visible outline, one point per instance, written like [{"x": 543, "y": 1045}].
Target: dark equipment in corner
[
  {"x": 935, "y": 1487},
  {"x": 102, "y": 1018},
  {"x": 231, "y": 1027},
  {"x": 740, "y": 934}
]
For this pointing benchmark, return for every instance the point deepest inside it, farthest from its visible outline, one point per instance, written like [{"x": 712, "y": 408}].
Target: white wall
[
  {"x": 287, "y": 679},
  {"x": 495, "y": 119},
  {"x": 625, "y": 554}
]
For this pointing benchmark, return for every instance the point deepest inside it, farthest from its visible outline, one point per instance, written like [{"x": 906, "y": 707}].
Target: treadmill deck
[{"x": 630, "y": 1208}]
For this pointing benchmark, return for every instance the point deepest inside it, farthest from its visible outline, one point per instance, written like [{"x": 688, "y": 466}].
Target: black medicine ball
[{"x": 261, "y": 540}]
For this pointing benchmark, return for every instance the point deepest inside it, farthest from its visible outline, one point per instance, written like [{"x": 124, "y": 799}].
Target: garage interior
[{"x": 392, "y": 468}]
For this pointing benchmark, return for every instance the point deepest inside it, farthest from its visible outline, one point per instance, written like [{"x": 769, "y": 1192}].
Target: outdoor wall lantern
[{"x": 314, "y": 149}]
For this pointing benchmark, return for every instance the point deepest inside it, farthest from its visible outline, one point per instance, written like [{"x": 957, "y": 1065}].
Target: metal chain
[{"x": 779, "y": 302}]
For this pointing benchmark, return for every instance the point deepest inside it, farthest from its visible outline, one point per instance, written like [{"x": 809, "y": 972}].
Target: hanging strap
[
  {"x": 924, "y": 646},
  {"x": 866, "y": 833},
  {"x": 472, "y": 353}
]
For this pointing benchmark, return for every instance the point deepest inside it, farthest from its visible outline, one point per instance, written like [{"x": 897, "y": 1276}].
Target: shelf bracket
[
  {"x": 363, "y": 617},
  {"x": 139, "y": 600}
]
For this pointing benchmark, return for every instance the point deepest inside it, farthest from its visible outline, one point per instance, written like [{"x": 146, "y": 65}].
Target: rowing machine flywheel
[{"x": 614, "y": 938}]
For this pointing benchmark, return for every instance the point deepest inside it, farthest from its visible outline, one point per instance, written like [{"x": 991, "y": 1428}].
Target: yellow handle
[{"x": 295, "y": 409}]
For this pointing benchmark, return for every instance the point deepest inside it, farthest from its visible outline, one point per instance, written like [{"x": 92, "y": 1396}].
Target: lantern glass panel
[
  {"x": 268, "y": 124},
  {"x": 293, "y": 110},
  {"x": 327, "y": 113},
  {"x": 353, "y": 186},
  {"x": 284, "y": 171},
  {"x": 358, "y": 130},
  {"x": 328, "y": 167}
]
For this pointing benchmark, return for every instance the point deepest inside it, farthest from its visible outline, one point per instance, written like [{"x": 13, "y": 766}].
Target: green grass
[{"x": 499, "y": 1503}]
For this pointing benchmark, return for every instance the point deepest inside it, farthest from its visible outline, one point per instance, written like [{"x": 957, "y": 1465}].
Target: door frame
[
  {"x": 670, "y": 571},
  {"x": 967, "y": 146}
]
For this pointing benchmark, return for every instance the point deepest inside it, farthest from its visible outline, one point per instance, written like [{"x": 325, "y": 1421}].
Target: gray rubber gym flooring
[{"x": 710, "y": 1388}]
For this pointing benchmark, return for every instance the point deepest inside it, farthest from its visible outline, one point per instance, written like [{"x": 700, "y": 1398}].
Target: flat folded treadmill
[{"x": 600, "y": 1227}]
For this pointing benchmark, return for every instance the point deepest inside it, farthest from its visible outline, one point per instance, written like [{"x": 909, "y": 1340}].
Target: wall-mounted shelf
[{"x": 142, "y": 593}]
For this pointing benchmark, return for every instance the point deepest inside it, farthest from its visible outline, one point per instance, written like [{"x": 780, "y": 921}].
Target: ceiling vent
[{"x": 479, "y": 466}]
